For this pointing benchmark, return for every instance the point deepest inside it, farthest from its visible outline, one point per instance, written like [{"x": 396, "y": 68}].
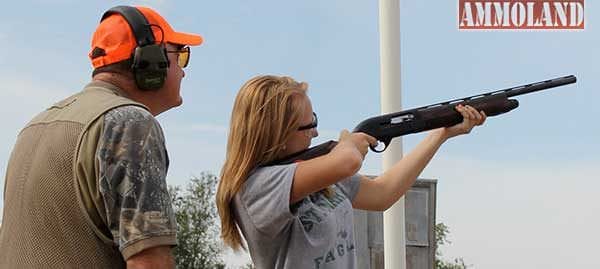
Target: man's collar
[{"x": 103, "y": 84}]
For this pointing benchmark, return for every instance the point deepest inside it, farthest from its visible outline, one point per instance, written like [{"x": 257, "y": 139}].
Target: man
[{"x": 85, "y": 184}]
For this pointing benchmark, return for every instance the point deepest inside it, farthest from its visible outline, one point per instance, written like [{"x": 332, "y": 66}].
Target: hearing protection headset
[{"x": 149, "y": 60}]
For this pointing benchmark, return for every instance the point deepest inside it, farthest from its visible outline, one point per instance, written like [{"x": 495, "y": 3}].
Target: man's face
[{"x": 173, "y": 81}]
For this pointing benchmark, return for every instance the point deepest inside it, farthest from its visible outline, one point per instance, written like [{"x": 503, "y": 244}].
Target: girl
[{"x": 300, "y": 215}]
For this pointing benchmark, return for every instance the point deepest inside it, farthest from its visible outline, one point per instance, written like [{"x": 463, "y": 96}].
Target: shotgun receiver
[{"x": 388, "y": 126}]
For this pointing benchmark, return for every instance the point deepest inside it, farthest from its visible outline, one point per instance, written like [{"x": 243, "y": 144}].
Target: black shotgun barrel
[
  {"x": 538, "y": 86},
  {"x": 513, "y": 91}
]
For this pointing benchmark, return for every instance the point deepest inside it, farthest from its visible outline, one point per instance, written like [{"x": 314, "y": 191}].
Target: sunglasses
[
  {"x": 311, "y": 125},
  {"x": 184, "y": 56}
]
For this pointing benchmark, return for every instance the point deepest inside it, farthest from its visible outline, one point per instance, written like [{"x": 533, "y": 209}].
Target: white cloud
[
  {"x": 518, "y": 215},
  {"x": 211, "y": 128},
  {"x": 515, "y": 213},
  {"x": 187, "y": 128},
  {"x": 22, "y": 98},
  {"x": 23, "y": 94},
  {"x": 154, "y": 2},
  {"x": 158, "y": 5}
]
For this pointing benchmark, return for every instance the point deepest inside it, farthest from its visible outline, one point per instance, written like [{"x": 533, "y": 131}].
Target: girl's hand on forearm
[{"x": 471, "y": 118}]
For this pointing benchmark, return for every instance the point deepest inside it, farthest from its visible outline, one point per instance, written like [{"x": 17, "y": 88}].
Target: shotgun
[{"x": 385, "y": 127}]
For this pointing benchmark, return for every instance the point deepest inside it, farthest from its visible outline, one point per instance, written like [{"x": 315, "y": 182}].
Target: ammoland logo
[{"x": 520, "y": 14}]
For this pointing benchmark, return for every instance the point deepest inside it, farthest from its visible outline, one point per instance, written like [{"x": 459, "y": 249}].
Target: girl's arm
[{"x": 386, "y": 189}]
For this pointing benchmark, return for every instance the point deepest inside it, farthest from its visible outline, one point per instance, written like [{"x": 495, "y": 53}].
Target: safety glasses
[
  {"x": 311, "y": 125},
  {"x": 184, "y": 56}
]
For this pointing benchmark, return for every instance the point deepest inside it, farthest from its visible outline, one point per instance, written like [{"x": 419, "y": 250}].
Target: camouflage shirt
[{"x": 133, "y": 162}]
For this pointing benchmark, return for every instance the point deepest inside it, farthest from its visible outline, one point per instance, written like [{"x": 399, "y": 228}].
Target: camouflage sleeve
[{"x": 133, "y": 162}]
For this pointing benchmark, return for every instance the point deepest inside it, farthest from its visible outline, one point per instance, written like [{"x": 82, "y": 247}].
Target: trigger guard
[{"x": 374, "y": 149}]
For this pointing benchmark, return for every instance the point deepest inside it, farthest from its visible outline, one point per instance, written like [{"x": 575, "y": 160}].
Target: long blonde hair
[{"x": 266, "y": 112}]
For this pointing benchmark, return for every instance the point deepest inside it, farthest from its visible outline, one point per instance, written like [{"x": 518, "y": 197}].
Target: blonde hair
[{"x": 266, "y": 112}]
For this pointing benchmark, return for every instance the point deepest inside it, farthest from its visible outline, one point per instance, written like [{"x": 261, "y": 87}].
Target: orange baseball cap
[{"x": 113, "y": 41}]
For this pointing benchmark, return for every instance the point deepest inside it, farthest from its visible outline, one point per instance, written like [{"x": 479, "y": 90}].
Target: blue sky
[{"x": 519, "y": 192}]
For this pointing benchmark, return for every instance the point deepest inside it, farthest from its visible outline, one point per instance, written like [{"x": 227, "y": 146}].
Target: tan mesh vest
[{"x": 45, "y": 222}]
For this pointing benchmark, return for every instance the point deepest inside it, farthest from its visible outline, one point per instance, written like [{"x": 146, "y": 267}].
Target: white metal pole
[{"x": 389, "y": 47}]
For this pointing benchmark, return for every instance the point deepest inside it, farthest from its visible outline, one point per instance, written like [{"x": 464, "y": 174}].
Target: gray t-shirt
[{"x": 316, "y": 232}]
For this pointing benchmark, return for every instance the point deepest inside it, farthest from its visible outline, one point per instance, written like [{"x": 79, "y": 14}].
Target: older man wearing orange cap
[{"x": 85, "y": 184}]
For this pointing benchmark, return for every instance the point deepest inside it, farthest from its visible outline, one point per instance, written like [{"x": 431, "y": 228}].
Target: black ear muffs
[
  {"x": 149, "y": 60},
  {"x": 150, "y": 67}
]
